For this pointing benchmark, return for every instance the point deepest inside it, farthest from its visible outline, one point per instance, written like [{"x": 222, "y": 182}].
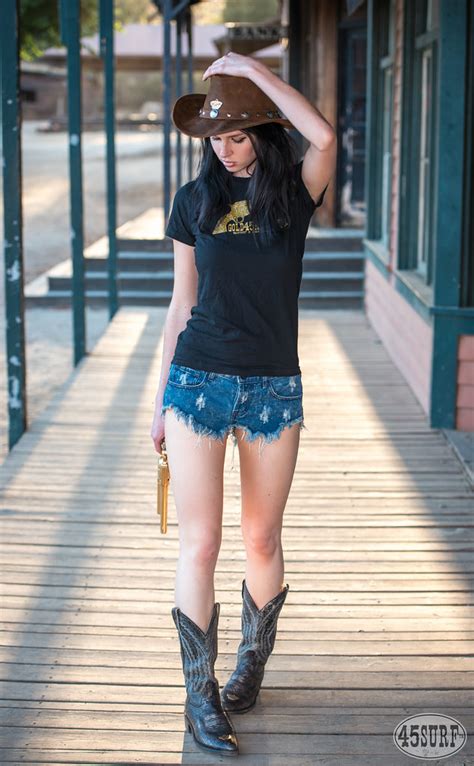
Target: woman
[{"x": 230, "y": 362}]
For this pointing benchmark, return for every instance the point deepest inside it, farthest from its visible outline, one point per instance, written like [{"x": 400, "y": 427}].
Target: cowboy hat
[{"x": 232, "y": 103}]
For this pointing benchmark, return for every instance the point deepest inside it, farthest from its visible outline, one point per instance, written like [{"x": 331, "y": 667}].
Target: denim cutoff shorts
[{"x": 214, "y": 404}]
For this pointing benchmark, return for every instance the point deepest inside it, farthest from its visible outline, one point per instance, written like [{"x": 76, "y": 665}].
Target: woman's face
[{"x": 235, "y": 151}]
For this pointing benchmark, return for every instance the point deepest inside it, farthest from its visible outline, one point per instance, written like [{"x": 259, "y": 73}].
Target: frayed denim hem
[
  {"x": 249, "y": 436},
  {"x": 198, "y": 428}
]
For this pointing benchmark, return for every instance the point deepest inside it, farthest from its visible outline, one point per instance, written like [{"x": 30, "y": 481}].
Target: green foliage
[
  {"x": 39, "y": 23},
  {"x": 134, "y": 12},
  {"x": 219, "y": 11},
  {"x": 249, "y": 10}
]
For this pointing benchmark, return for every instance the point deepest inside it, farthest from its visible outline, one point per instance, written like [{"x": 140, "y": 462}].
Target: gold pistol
[{"x": 163, "y": 480}]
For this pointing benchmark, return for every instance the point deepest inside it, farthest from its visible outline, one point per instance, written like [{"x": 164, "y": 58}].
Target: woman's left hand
[{"x": 233, "y": 64}]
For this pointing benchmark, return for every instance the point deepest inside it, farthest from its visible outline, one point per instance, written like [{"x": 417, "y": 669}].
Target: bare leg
[
  {"x": 265, "y": 485},
  {"x": 196, "y": 475}
]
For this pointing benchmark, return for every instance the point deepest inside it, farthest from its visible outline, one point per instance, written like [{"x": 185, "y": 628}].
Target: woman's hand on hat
[{"x": 232, "y": 64}]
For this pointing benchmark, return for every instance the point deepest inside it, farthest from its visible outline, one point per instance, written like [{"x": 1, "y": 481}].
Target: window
[
  {"x": 386, "y": 79},
  {"x": 381, "y": 120},
  {"x": 424, "y": 163},
  {"x": 418, "y": 177}
]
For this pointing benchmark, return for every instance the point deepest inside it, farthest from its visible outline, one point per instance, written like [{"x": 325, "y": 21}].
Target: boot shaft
[
  {"x": 259, "y": 626},
  {"x": 208, "y": 723},
  {"x": 198, "y": 649}
]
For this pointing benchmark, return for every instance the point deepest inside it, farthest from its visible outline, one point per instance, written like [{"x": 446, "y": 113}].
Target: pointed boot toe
[
  {"x": 204, "y": 715},
  {"x": 208, "y": 723}
]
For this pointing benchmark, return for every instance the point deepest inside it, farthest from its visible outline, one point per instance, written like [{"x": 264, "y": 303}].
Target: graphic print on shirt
[
  {"x": 246, "y": 318},
  {"x": 233, "y": 222}
]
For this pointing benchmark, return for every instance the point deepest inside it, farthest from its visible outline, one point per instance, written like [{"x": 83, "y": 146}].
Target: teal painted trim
[
  {"x": 378, "y": 255},
  {"x": 71, "y": 10},
  {"x": 179, "y": 8},
  {"x": 409, "y": 178},
  {"x": 413, "y": 297},
  {"x": 449, "y": 197},
  {"x": 467, "y": 272},
  {"x": 107, "y": 52},
  {"x": 376, "y": 22},
  {"x": 447, "y": 329},
  {"x": 454, "y": 311},
  {"x": 13, "y": 222},
  {"x": 408, "y": 130},
  {"x": 62, "y": 21},
  {"x": 435, "y": 176},
  {"x": 443, "y": 374},
  {"x": 370, "y": 129},
  {"x": 449, "y": 204}
]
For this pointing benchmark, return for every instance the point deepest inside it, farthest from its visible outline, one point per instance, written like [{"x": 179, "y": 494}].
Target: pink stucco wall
[
  {"x": 465, "y": 384},
  {"x": 404, "y": 333}
]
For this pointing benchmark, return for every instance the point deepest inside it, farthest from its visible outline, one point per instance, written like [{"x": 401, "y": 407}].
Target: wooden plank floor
[{"x": 378, "y": 539}]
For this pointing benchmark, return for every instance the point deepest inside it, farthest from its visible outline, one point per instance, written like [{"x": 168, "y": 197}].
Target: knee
[
  {"x": 262, "y": 542},
  {"x": 203, "y": 552}
]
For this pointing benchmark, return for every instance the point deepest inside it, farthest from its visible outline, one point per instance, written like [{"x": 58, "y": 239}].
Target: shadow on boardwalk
[{"x": 378, "y": 549}]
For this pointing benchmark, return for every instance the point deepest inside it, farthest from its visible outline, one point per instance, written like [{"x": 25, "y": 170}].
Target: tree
[
  {"x": 39, "y": 23},
  {"x": 220, "y": 11}
]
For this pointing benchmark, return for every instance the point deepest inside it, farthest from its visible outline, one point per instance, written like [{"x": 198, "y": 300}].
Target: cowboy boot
[
  {"x": 259, "y": 627},
  {"x": 203, "y": 713}
]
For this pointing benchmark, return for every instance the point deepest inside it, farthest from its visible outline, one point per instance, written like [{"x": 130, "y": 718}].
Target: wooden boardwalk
[{"x": 378, "y": 538}]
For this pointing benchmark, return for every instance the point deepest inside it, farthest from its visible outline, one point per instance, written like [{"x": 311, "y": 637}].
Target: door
[{"x": 352, "y": 68}]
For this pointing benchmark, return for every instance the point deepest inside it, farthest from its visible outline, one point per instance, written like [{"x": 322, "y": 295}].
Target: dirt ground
[{"x": 46, "y": 227}]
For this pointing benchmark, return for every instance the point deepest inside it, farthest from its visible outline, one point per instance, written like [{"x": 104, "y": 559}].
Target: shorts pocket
[
  {"x": 286, "y": 386},
  {"x": 186, "y": 377}
]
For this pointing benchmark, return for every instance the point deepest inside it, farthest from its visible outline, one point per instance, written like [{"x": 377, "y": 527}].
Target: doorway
[{"x": 352, "y": 70}]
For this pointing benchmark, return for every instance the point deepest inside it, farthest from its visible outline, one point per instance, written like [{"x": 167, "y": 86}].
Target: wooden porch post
[{"x": 13, "y": 221}]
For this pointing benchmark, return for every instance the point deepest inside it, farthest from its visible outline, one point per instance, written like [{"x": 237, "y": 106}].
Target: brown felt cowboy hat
[{"x": 232, "y": 103}]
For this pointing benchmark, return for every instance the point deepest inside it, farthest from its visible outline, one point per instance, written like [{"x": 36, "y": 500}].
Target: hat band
[{"x": 271, "y": 114}]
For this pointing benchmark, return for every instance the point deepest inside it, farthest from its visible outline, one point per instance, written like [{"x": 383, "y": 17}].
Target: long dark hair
[{"x": 271, "y": 186}]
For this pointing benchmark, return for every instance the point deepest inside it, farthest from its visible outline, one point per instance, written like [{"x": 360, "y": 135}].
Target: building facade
[
  {"x": 326, "y": 60},
  {"x": 406, "y": 166},
  {"x": 419, "y": 291}
]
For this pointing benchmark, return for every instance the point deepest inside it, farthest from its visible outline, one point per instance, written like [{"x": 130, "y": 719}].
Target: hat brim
[{"x": 187, "y": 119}]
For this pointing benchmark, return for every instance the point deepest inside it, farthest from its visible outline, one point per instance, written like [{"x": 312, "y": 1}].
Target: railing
[{"x": 177, "y": 15}]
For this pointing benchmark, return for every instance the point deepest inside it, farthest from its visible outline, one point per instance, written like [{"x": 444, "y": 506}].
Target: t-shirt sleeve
[
  {"x": 179, "y": 225},
  {"x": 305, "y": 195}
]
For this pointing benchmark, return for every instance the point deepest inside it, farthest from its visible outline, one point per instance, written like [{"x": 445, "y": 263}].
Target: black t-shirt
[{"x": 246, "y": 318}]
